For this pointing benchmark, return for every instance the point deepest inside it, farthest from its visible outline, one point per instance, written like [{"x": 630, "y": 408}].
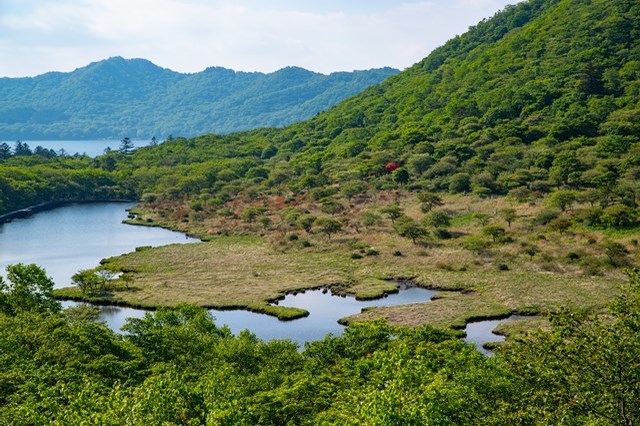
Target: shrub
[
  {"x": 591, "y": 216},
  {"x": 572, "y": 256},
  {"x": 619, "y": 216},
  {"x": 546, "y": 216},
  {"x": 460, "y": 182}
]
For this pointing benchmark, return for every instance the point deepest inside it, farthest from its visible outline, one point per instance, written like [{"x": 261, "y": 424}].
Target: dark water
[
  {"x": 325, "y": 311},
  {"x": 77, "y": 236},
  {"x": 481, "y": 332}
]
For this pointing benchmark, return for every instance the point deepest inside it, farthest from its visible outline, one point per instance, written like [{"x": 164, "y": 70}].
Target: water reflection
[
  {"x": 481, "y": 332},
  {"x": 324, "y": 309},
  {"x": 76, "y": 236}
]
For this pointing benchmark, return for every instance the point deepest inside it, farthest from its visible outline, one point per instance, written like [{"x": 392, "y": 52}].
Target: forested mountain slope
[
  {"x": 544, "y": 94},
  {"x": 135, "y": 98}
]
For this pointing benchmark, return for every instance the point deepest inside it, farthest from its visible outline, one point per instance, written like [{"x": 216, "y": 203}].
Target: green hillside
[
  {"x": 116, "y": 97},
  {"x": 545, "y": 94},
  {"x": 502, "y": 170}
]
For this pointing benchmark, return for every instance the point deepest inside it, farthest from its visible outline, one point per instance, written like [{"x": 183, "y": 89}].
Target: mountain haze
[{"x": 119, "y": 97}]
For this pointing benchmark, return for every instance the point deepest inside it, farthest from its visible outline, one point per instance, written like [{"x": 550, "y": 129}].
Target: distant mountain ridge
[{"x": 120, "y": 97}]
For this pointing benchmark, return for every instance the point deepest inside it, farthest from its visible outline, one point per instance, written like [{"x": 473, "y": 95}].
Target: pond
[
  {"x": 481, "y": 332},
  {"x": 76, "y": 236},
  {"x": 325, "y": 309}
]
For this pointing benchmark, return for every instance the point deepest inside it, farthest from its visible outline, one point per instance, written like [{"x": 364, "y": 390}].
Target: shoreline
[{"x": 50, "y": 205}]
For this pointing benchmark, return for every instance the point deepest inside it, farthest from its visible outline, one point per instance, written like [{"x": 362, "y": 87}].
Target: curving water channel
[
  {"x": 77, "y": 236},
  {"x": 481, "y": 332},
  {"x": 324, "y": 309}
]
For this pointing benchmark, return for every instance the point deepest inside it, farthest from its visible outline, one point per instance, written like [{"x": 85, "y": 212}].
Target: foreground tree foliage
[{"x": 178, "y": 367}]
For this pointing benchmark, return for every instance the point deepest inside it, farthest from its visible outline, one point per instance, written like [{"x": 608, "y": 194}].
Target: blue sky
[{"x": 37, "y": 36}]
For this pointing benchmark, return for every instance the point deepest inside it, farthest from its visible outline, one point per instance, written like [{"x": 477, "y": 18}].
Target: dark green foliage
[
  {"x": 585, "y": 371},
  {"x": 525, "y": 101},
  {"x": 116, "y": 97},
  {"x": 176, "y": 366}
]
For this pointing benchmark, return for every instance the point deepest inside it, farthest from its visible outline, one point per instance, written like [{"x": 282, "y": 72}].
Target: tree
[
  {"x": 509, "y": 215},
  {"x": 437, "y": 219},
  {"x": 495, "y": 231},
  {"x": 370, "y": 219},
  {"x": 249, "y": 214},
  {"x": 306, "y": 222},
  {"x": 619, "y": 216},
  {"x": 409, "y": 228},
  {"x": 401, "y": 176},
  {"x": 460, "y": 182},
  {"x": 87, "y": 280},
  {"x": 126, "y": 146},
  {"x": 5, "y": 151},
  {"x": 483, "y": 218},
  {"x": 530, "y": 250},
  {"x": 21, "y": 149},
  {"x": 616, "y": 252},
  {"x": 564, "y": 166},
  {"x": 586, "y": 370},
  {"x": 328, "y": 226},
  {"x": 560, "y": 224},
  {"x": 392, "y": 211},
  {"x": 29, "y": 290},
  {"x": 154, "y": 141},
  {"x": 562, "y": 199},
  {"x": 331, "y": 206},
  {"x": 429, "y": 200}
]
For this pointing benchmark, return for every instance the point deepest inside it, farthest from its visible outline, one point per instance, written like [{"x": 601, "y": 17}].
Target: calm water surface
[
  {"x": 324, "y": 312},
  {"x": 92, "y": 148},
  {"x": 77, "y": 236},
  {"x": 481, "y": 332}
]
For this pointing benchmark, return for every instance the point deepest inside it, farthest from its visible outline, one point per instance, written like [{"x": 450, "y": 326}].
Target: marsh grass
[{"x": 245, "y": 265}]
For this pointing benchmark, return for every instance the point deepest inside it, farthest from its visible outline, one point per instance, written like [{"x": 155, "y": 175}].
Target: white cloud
[{"x": 189, "y": 35}]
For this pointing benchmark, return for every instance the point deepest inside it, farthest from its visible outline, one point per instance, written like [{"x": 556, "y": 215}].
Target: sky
[{"x": 37, "y": 36}]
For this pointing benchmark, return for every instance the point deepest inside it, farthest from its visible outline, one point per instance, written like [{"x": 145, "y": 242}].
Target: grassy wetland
[{"x": 530, "y": 267}]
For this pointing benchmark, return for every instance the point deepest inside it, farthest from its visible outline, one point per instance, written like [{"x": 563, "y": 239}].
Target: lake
[
  {"x": 92, "y": 148},
  {"x": 76, "y": 236}
]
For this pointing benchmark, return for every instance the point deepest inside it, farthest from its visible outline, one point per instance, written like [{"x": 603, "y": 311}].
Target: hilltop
[{"x": 120, "y": 97}]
